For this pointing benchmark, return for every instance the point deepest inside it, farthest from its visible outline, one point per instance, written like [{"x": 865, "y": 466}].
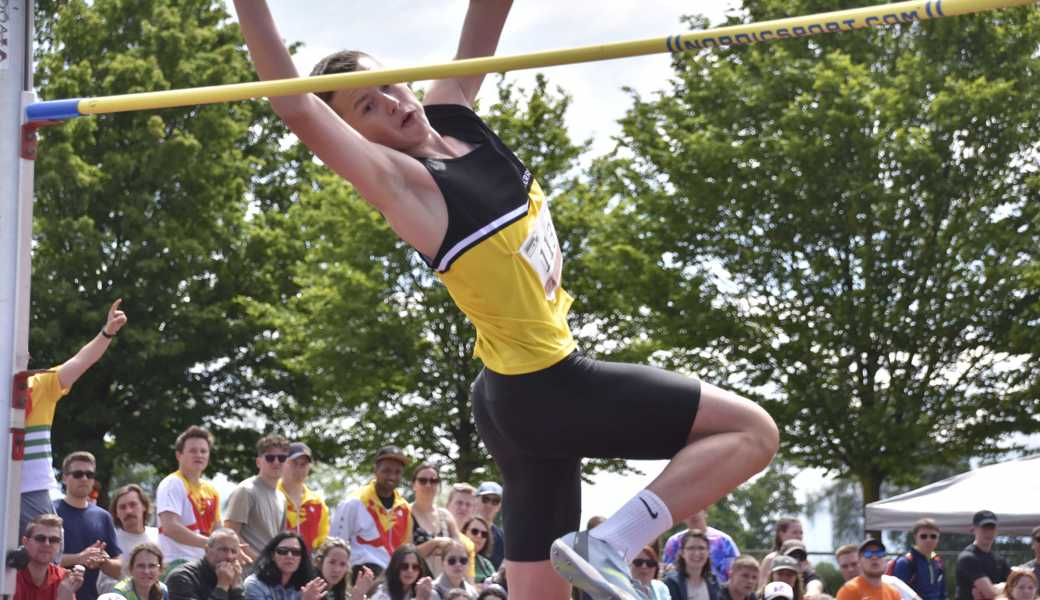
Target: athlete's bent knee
[{"x": 762, "y": 438}]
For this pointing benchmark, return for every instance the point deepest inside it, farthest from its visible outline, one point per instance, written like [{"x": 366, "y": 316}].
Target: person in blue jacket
[{"x": 921, "y": 568}]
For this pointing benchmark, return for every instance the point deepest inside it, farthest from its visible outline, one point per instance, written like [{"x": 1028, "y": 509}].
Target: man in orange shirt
[{"x": 868, "y": 585}]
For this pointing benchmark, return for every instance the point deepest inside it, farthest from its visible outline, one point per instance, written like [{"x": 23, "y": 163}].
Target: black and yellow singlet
[{"x": 500, "y": 258}]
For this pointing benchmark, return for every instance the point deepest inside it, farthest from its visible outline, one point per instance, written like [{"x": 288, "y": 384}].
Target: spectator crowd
[{"x": 278, "y": 540}]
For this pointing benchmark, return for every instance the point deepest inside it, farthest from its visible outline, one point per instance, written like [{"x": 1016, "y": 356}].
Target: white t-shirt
[
  {"x": 352, "y": 521},
  {"x": 172, "y": 495},
  {"x": 127, "y": 541}
]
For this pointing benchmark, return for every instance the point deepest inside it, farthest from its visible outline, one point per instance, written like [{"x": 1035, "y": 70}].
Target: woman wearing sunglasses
[
  {"x": 456, "y": 561},
  {"x": 146, "y": 565},
  {"x": 433, "y": 527},
  {"x": 283, "y": 572},
  {"x": 645, "y": 569},
  {"x": 478, "y": 531},
  {"x": 407, "y": 577}
]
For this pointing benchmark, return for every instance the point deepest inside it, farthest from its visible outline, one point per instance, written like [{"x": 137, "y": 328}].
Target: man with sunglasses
[
  {"x": 41, "y": 579},
  {"x": 979, "y": 569},
  {"x": 490, "y": 494},
  {"x": 255, "y": 509},
  {"x": 90, "y": 534},
  {"x": 921, "y": 568},
  {"x": 868, "y": 585}
]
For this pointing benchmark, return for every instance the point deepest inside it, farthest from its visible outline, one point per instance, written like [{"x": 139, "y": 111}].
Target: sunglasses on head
[
  {"x": 928, "y": 536},
  {"x": 491, "y": 500},
  {"x": 81, "y": 474},
  {"x": 873, "y": 553},
  {"x": 798, "y": 555},
  {"x": 273, "y": 457},
  {"x": 39, "y": 538},
  {"x": 480, "y": 532},
  {"x": 645, "y": 562},
  {"x": 453, "y": 560},
  {"x": 284, "y": 551},
  {"x": 427, "y": 480}
]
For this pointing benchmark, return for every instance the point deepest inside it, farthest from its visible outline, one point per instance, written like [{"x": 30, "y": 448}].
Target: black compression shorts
[{"x": 538, "y": 426}]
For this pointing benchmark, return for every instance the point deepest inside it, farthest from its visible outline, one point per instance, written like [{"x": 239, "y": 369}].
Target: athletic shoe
[{"x": 594, "y": 566}]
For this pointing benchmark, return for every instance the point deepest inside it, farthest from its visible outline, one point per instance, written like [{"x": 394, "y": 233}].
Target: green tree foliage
[
  {"x": 860, "y": 207},
  {"x": 150, "y": 207},
  {"x": 749, "y": 513}
]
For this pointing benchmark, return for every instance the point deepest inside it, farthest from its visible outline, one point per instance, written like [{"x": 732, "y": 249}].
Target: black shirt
[
  {"x": 973, "y": 563},
  {"x": 197, "y": 580}
]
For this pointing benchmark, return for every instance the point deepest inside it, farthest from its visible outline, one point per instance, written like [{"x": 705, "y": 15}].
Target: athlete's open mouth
[{"x": 408, "y": 116}]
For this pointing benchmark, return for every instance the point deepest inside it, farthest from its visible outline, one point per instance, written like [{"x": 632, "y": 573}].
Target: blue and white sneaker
[{"x": 594, "y": 566}]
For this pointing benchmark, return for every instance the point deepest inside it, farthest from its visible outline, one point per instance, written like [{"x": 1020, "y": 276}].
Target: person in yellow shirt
[
  {"x": 868, "y": 585},
  {"x": 46, "y": 389},
  {"x": 305, "y": 511}
]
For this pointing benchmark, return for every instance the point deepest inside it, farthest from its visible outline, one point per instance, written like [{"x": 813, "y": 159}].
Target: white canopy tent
[{"x": 1010, "y": 489}]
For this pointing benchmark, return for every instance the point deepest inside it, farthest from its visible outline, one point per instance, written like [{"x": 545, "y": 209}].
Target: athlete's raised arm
[
  {"x": 380, "y": 174},
  {"x": 480, "y": 34}
]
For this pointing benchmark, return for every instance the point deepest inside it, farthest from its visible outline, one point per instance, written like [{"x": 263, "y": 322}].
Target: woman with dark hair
[
  {"x": 692, "y": 578},
  {"x": 332, "y": 561},
  {"x": 478, "y": 530},
  {"x": 787, "y": 528},
  {"x": 433, "y": 527},
  {"x": 284, "y": 572},
  {"x": 146, "y": 565},
  {"x": 645, "y": 569},
  {"x": 408, "y": 577}
]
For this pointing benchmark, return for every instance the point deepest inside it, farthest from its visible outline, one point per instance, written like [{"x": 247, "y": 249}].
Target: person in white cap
[
  {"x": 778, "y": 590},
  {"x": 490, "y": 494}
]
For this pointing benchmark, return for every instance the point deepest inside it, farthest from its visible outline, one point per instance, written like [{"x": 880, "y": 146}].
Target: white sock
[{"x": 640, "y": 521}]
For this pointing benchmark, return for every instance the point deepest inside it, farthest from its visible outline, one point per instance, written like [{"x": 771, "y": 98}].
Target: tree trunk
[{"x": 871, "y": 486}]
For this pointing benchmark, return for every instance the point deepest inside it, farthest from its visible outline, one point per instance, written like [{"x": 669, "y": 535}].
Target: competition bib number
[{"x": 541, "y": 250}]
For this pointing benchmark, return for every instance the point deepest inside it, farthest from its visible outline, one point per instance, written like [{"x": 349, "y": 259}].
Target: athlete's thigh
[
  {"x": 723, "y": 411},
  {"x": 582, "y": 407}
]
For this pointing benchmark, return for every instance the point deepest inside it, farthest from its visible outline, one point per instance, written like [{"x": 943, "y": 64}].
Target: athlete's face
[{"x": 390, "y": 115}]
